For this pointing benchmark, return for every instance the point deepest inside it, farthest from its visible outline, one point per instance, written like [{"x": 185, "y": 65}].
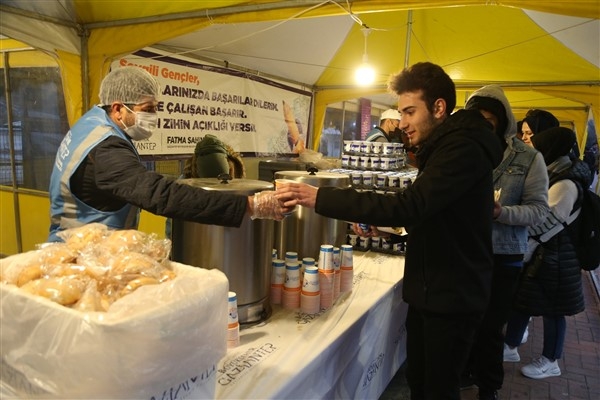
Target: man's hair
[{"x": 428, "y": 77}]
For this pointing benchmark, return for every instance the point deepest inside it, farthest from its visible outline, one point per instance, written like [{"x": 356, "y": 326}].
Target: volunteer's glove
[{"x": 266, "y": 206}]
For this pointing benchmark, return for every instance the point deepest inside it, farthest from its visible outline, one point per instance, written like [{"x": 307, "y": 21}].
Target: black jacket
[
  {"x": 447, "y": 212},
  {"x": 112, "y": 175},
  {"x": 551, "y": 283}
]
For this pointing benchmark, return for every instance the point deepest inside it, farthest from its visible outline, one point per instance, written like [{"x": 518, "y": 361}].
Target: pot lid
[
  {"x": 317, "y": 178},
  {"x": 236, "y": 186}
]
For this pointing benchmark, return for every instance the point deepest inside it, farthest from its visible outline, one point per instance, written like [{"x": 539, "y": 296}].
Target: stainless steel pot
[
  {"x": 244, "y": 254},
  {"x": 304, "y": 231}
]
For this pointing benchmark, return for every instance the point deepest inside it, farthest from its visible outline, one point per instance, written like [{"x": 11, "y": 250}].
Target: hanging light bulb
[{"x": 365, "y": 73}]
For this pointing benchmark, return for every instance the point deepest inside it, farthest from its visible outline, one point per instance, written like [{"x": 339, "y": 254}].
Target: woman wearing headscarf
[
  {"x": 551, "y": 281},
  {"x": 536, "y": 121}
]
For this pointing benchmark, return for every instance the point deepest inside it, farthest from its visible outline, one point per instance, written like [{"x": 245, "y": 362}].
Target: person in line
[
  {"x": 447, "y": 213},
  {"x": 536, "y": 121},
  {"x": 388, "y": 130},
  {"x": 550, "y": 284},
  {"x": 98, "y": 176},
  {"x": 521, "y": 180}
]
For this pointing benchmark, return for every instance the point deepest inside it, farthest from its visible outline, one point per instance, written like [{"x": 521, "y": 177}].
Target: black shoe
[
  {"x": 487, "y": 395},
  {"x": 467, "y": 382}
]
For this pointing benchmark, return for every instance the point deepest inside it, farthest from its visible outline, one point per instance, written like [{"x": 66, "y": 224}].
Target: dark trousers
[
  {"x": 555, "y": 328},
  {"x": 437, "y": 347},
  {"x": 486, "y": 359}
]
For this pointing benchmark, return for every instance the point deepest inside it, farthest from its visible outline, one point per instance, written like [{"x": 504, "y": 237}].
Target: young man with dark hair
[{"x": 447, "y": 213}]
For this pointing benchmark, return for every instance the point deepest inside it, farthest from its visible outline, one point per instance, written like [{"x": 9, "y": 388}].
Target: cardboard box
[{"x": 159, "y": 342}]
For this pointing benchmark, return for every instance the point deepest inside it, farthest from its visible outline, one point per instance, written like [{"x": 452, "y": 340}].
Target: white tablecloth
[{"x": 350, "y": 351}]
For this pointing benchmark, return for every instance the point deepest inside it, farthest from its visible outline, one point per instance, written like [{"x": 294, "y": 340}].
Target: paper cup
[
  {"x": 233, "y": 325},
  {"x": 363, "y": 242},
  {"x": 277, "y": 280},
  {"x": 367, "y": 179},
  {"x": 311, "y": 280},
  {"x": 347, "y": 256},
  {"x": 326, "y": 257},
  {"x": 376, "y": 147},
  {"x": 353, "y": 239},
  {"x": 356, "y": 178},
  {"x": 292, "y": 275},
  {"x": 365, "y": 147}
]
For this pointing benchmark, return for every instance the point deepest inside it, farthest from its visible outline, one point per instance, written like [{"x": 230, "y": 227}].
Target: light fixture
[{"x": 365, "y": 74}]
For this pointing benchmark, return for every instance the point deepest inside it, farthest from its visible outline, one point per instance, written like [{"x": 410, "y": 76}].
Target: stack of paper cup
[
  {"x": 277, "y": 280},
  {"x": 326, "y": 275},
  {"x": 290, "y": 297},
  {"x": 233, "y": 325},
  {"x": 310, "y": 296},
  {"x": 347, "y": 269},
  {"x": 337, "y": 260}
]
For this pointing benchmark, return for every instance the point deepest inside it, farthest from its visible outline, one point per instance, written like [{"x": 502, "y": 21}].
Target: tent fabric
[{"x": 477, "y": 41}]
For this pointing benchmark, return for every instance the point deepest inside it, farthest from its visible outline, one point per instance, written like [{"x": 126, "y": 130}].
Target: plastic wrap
[{"x": 158, "y": 341}]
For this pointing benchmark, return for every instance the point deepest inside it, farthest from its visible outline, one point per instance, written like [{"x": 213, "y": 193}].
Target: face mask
[{"x": 145, "y": 123}]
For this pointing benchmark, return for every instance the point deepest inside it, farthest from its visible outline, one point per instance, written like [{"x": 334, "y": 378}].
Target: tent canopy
[{"x": 546, "y": 54}]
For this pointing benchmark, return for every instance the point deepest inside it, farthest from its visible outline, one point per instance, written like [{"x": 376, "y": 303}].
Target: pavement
[{"x": 580, "y": 364}]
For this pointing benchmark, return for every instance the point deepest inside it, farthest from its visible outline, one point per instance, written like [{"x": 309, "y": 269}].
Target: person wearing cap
[
  {"x": 213, "y": 157},
  {"x": 98, "y": 175},
  {"x": 521, "y": 181},
  {"x": 536, "y": 121},
  {"x": 550, "y": 285},
  {"x": 388, "y": 130}
]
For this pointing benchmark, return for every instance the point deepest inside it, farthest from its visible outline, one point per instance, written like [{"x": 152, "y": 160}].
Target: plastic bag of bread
[
  {"x": 86, "y": 235},
  {"x": 118, "y": 261}
]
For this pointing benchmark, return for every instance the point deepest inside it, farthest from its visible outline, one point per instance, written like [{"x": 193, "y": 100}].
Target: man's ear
[
  {"x": 116, "y": 106},
  {"x": 439, "y": 108}
]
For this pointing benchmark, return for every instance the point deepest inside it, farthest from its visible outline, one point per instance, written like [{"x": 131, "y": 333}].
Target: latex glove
[{"x": 266, "y": 206}]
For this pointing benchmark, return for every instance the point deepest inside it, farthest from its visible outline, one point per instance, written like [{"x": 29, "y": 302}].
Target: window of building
[
  {"x": 39, "y": 122},
  {"x": 343, "y": 122}
]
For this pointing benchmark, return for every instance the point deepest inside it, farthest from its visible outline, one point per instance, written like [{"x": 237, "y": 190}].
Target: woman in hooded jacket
[{"x": 550, "y": 284}]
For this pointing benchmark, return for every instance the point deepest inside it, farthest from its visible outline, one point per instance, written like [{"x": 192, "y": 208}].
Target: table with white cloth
[{"x": 351, "y": 350}]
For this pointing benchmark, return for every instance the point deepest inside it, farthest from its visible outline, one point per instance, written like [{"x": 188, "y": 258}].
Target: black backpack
[{"x": 587, "y": 235}]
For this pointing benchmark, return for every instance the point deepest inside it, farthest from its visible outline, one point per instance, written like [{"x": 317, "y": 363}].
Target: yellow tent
[
  {"x": 545, "y": 53},
  {"x": 525, "y": 46}
]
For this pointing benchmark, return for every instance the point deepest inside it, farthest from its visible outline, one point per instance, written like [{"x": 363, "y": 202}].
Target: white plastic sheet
[
  {"x": 350, "y": 351},
  {"x": 160, "y": 342}
]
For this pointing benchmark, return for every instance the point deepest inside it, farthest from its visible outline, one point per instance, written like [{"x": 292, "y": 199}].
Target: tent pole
[
  {"x": 84, "y": 34},
  {"x": 11, "y": 148},
  {"x": 408, "y": 33}
]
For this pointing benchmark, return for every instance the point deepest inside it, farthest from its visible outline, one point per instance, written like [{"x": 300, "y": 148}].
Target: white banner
[{"x": 249, "y": 113}]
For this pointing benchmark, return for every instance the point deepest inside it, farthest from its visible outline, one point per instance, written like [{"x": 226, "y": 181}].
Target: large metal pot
[
  {"x": 244, "y": 254},
  {"x": 304, "y": 231}
]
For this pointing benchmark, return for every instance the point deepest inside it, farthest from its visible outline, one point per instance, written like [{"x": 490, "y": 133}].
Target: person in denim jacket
[{"x": 521, "y": 184}]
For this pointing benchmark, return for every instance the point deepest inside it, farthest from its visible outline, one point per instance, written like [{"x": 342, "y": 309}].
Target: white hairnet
[{"x": 129, "y": 85}]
